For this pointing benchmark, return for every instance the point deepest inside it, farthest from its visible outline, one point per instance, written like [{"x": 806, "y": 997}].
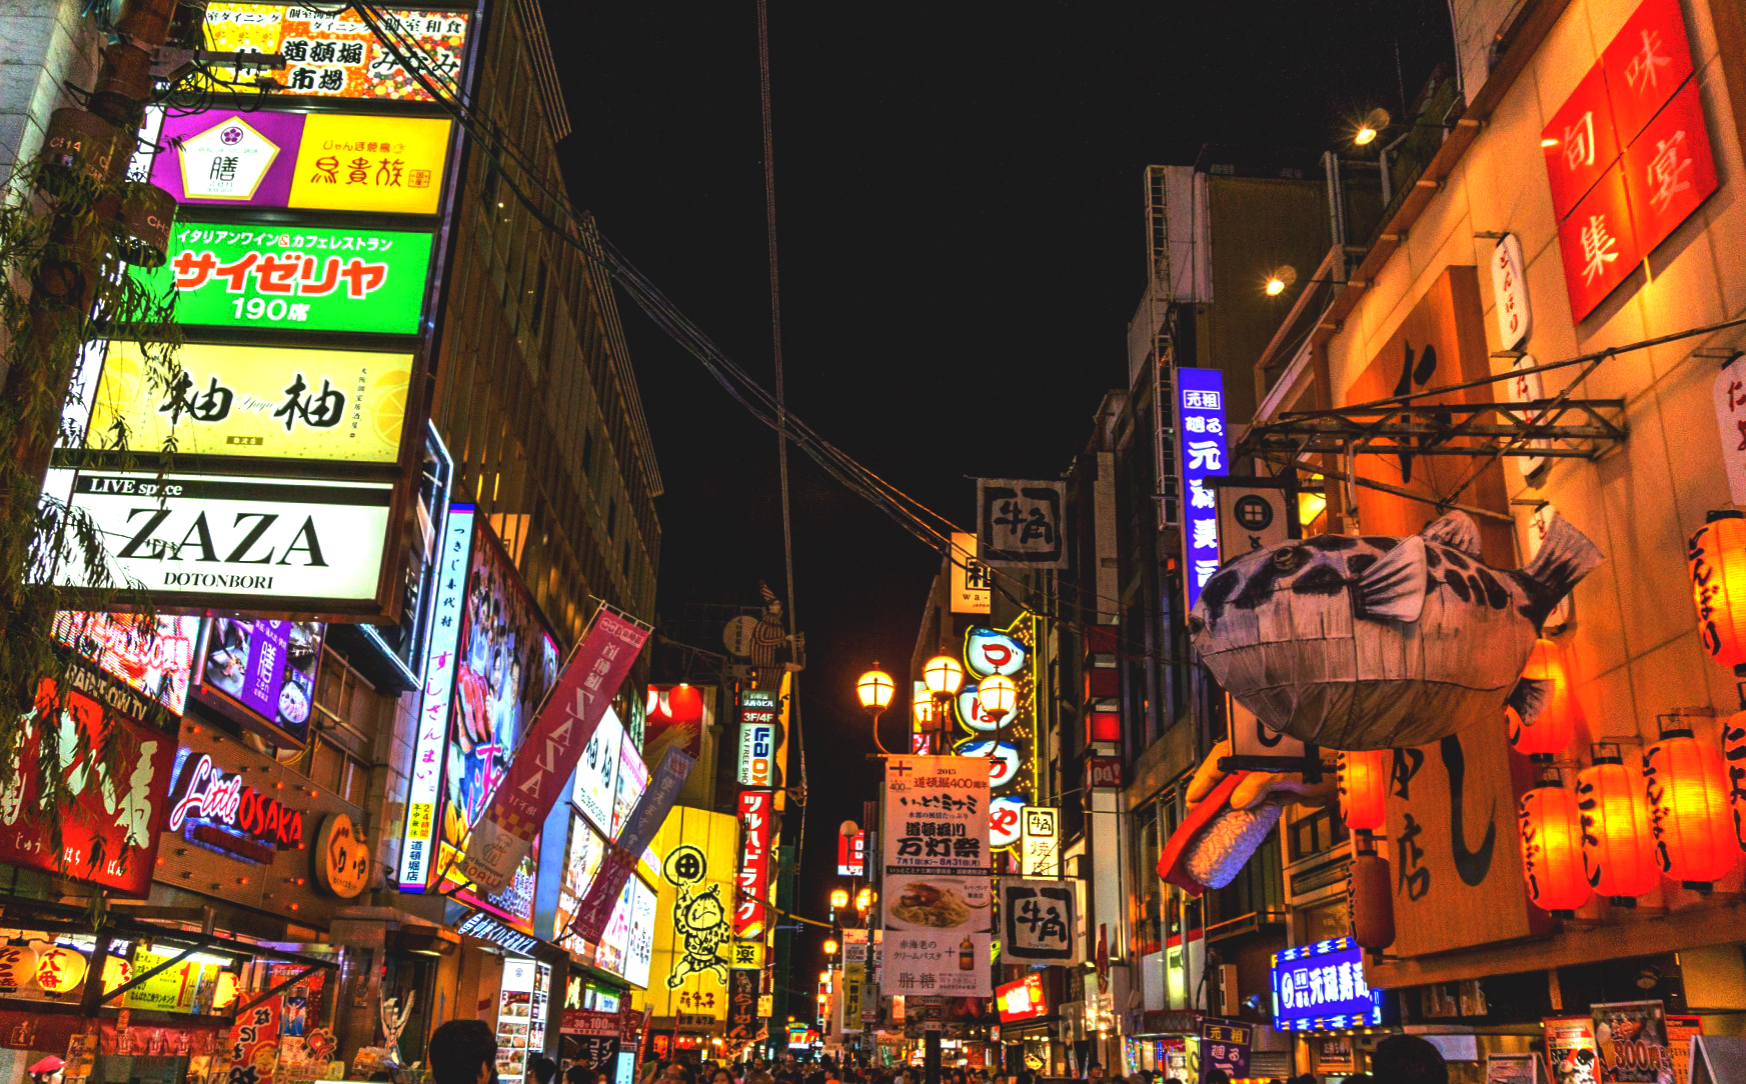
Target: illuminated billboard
[
  {"x": 259, "y": 543},
  {"x": 156, "y": 659},
  {"x": 333, "y": 54},
  {"x": 295, "y": 278},
  {"x": 688, "y": 975},
  {"x": 256, "y": 402},
  {"x": 262, "y": 673},
  {"x": 507, "y": 661},
  {"x": 304, "y": 161}
]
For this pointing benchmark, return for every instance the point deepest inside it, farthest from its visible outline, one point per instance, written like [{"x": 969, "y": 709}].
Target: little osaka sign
[{"x": 204, "y": 794}]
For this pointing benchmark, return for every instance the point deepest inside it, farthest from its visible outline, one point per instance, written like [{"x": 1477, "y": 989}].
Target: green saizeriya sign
[{"x": 296, "y": 278}]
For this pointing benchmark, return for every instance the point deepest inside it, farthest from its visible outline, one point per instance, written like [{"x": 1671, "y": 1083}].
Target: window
[
  {"x": 1319, "y": 831},
  {"x": 612, "y": 517}
]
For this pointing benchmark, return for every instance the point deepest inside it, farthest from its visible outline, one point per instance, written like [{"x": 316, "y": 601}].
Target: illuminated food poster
[
  {"x": 155, "y": 658},
  {"x": 267, "y": 667}
]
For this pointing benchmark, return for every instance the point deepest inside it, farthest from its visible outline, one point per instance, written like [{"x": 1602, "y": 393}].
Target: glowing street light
[{"x": 875, "y": 689}]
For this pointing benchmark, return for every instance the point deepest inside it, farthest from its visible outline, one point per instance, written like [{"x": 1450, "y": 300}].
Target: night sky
[{"x": 959, "y": 206}]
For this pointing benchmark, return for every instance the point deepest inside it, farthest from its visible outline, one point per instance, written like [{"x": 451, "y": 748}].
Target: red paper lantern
[
  {"x": 1551, "y": 731},
  {"x": 1552, "y": 848},
  {"x": 1734, "y": 753},
  {"x": 1716, "y": 557},
  {"x": 1370, "y": 897},
  {"x": 1618, "y": 847},
  {"x": 1364, "y": 789},
  {"x": 1689, "y": 817}
]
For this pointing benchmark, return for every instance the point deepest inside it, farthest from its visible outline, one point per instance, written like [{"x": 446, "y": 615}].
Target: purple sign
[
  {"x": 229, "y": 158},
  {"x": 266, "y": 668}
]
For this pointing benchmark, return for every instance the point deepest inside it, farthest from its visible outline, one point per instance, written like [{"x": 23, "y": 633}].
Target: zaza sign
[{"x": 189, "y": 538}]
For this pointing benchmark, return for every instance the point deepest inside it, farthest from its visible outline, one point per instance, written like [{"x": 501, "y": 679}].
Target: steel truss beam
[{"x": 1575, "y": 428}]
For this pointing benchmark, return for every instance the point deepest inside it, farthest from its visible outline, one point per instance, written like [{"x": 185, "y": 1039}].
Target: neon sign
[{"x": 219, "y": 809}]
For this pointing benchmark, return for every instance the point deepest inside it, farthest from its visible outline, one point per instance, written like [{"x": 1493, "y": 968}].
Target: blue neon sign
[
  {"x": 1201, "y": 394},
  {"x": 1321, "y": 987}
]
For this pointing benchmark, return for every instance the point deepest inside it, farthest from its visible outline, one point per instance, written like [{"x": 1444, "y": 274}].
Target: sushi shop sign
[{"x": 213, "y": 806}]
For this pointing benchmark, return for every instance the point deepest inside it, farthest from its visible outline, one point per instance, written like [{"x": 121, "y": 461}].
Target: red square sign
[
  {"x": 1670, "y": 169},
  {"x": 1580, "y": 143},
  {"x": 1645, "y": 63},
  {"x": 1599, "y": 244}
]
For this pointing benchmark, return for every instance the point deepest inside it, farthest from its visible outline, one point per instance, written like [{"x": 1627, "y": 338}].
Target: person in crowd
[
  {"x": 721, "y": 1076},
  {"x": 677, "y": 1072},
  {"x": 542, "y": 1069},
  {"x": 463, "y": 1052},
  {"x": 1408, "y": 1059},
  {"x": 1217, "y": 1076}
]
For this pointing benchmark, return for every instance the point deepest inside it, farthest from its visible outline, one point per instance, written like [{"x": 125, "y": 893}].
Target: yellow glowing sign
[
  {"x": 259, "y": 402},
  {"x": 688, "y": 977},
  {"x": 348, "y": 162}
]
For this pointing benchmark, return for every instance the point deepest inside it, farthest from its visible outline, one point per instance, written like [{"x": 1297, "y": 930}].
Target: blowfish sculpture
[
  {"x": 1382, "y": 643},
  {"x": 1361, "y": 643}
]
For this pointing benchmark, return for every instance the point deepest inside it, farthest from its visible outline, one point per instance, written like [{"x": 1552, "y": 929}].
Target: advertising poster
[
  {"x": 582, "y": 862},
  {"x": 255, "y": 402},
  {"x": 1681, "y": 1030},
  {"x": 675, "y": 718},
  {"x": 597, "y": 773},
  {"x": 109, "y": 836},
  {"x": 507, "y": 662},
  {"x": 937, "y": 912},
  {"x": 1631, "y": 1037},
  {"x": 192, "y": 539},
  {"x": 157, "y": 661},
  {"x": 688, "y": 976},
  {"x": 266, "y": 667},
  {"x": 639, "y": 947},
  {"x": 295, "y": 278},
  {"x": 633, "y": 779},
  {"x": 305, "y": 161},
  {"x": 1512, "y": 1069},
  {"x": 334, "y": 54}
]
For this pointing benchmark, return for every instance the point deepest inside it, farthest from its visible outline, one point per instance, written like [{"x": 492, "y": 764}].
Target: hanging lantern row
[{"x": 1551, "y": 731}]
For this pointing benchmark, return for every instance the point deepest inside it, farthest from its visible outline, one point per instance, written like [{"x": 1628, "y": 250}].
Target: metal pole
[
  {"x": 931, "y": 1056},
  {"x": 779, "y": 975}
]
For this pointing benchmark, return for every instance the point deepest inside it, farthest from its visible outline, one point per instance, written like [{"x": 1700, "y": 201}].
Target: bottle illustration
[{"x": 966, "y": 955}]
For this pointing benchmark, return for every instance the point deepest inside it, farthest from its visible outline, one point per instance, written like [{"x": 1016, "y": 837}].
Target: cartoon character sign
[{"x": 700, "y": 919}]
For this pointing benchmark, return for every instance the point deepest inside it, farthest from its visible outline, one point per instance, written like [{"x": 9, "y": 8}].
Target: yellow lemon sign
[{"x": 258, "y": 402}]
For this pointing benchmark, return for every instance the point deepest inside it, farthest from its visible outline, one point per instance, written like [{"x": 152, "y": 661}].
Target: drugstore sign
[
  {"x": 257, "y": 402},
  {"x": 311, "y": 161},
  {"x": 295, "y": 278},
  {"x": 193, "y": 539}
]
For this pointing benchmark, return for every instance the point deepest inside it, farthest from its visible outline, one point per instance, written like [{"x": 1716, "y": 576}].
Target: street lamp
[
  {"x": 864, "y": 900},
  {"x": 997, "y": 693},
  {"x": 943, "y": 675},
  {"x": 831, "y": 946},
  {"x": 839, "y": 898},
  {"x": 875, "y": 688}
]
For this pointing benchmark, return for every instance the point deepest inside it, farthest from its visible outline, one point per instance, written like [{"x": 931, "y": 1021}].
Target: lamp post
[
  {"x": 942, "y": 676},
  {"x": 874, "y": 689}
]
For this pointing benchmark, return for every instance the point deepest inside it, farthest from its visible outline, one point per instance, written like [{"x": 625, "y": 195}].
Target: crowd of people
[{"x": 465, "y": 1052}]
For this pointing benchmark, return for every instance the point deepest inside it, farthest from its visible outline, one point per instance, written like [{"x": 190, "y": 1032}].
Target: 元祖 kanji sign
[{"x": 1201, "y": 428}]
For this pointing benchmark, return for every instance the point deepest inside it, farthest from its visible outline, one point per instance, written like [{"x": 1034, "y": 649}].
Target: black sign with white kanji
[{"x": 1037, "y": 920}]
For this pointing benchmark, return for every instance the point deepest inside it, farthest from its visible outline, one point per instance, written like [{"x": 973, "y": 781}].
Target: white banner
[
  {"x": 245, "y": 540},
  {"x": 1019, "y": 523},
  {"x": 1037, "y": 919},
  {"x": 936, "y": 906},
  {"x": 1039, "y": 842}
]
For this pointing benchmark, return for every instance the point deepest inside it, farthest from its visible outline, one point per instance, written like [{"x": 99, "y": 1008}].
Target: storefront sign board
[{"x": 335, "y": 54}]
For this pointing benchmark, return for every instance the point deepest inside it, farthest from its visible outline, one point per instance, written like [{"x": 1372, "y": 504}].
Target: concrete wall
[{"x": 43, "y": 45}]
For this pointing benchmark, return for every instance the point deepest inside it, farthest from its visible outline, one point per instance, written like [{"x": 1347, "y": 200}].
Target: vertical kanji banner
[
  {"x": 561, "y": 730},
  {"x": 640, "y": 827}
]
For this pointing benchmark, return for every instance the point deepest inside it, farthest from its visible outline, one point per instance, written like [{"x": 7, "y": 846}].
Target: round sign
[
  {"x": 685, "y": 865},
  {"x": 1005, "y": 817},
  {"x": 59, "y": 969},
  {"x": 987, "y": 651},
  {"x": 342, "y": 857},
  {"x": 738, "y": 635},
  {"x": 1253, "y": 513},
  {"x": 1003, "y": 763}
]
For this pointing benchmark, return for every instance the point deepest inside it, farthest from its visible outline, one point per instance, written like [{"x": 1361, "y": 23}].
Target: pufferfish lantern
[{"x": 1384, "y": 643}]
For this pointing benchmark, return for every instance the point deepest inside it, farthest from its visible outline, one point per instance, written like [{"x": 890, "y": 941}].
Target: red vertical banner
[
  {"x": 1670, "y": 169},
  {"x": 756, "y": 808},
  {"x": 548, "y": 754}
]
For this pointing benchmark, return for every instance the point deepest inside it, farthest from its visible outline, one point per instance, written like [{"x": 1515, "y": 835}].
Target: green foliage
[{"x": 57, "y": 249}]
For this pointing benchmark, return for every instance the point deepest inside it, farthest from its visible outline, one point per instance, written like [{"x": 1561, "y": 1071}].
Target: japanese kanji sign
[
  {"x": 1509, "y": 292},
  {"x": 1037, "y": 921},
  {"x": 1005, "y": 740},
  {"x": 1224, "y": 1045},
  {"x": 1040, "y": 842},
  {"x": 1201, "y": 428},
  {"x": 254, "y": 402},
  {"x": 1730, "y": 400},
  {"x": 971, "y": 582},
  {"x": 109, "y": 836},
  {"x": 311, "y": 161},
  {"x": 295, "y": 278},
  {"x": 756, "y": 809},
  {"x": 1019, "y": 524},
  {"x": 1321, "y": 987},
  {"x": 936, "y": 857},
  {"x": 1628, "y": 157},
  {"x": 438, "y": 685},
  {"x": 549, "y": 751},
  {"x": 333, "y": 54}
]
